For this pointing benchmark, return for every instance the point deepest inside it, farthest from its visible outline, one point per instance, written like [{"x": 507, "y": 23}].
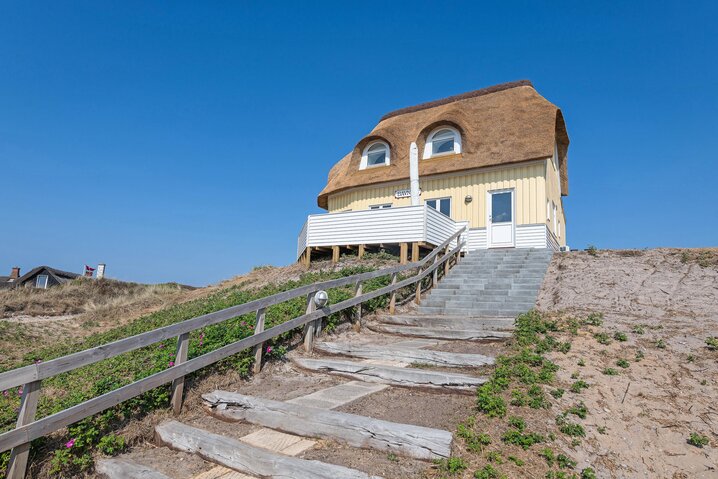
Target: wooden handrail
[{"x": 24, "y": 433}]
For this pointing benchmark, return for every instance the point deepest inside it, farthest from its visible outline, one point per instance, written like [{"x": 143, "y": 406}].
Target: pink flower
[
  {"x": 70, "y": 443},
  {"x": 161, "y": 346},
  {"x": 269, "y": 349},
  {"x": 4, "y": 393},
  {"x": 19, "y": 391},
  {"x": 172, "y": 363}
]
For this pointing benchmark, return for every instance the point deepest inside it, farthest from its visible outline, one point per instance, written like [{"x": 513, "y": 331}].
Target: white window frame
[
  {"x": 438, "y": 204},
  {"x": 429, "y": 146},
  {"x": 365, "y": 160},
  {"x": 382, "y": 206},
  {"x": 555, "y": 217},
  {"x": 37, "y": 281}
]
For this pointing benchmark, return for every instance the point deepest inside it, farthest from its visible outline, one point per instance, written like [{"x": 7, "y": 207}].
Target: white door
[{"x": 500, "y": 221}]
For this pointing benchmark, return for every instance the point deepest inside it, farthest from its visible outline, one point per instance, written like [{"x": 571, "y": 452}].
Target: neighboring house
[
  {"x": 493, "y": 159},
  {"x": 9, "y": 281},
  {"x": 44, "y": 277}
]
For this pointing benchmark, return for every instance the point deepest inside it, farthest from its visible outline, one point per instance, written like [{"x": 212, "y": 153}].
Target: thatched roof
[{"x": 502, "y": 124}]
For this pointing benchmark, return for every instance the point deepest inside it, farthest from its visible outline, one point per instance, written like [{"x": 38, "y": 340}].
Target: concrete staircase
[{"x": 490, "y": 283}]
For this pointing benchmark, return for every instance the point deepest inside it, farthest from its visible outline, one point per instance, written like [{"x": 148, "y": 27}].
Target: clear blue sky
[{"x": 186, "y": 141}]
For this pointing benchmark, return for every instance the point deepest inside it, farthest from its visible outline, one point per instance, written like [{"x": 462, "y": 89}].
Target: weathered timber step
[
  {"x": 357, "y": 431},
  {"x": 242, "y": 457},
  {"x": 394, "y": 376},
  {"x": 118, "y": 468},
  {"x": 449, "y": 322},
  {"x": 438, "y": 333},
  {"x": 393, "y": 353}
]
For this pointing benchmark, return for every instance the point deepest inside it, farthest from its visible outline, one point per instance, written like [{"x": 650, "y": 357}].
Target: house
[
  {"x": 40, "y": 277},
  {"x": 493, "y": 160}
]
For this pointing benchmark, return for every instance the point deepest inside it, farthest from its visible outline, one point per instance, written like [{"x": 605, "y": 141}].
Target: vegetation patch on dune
[{"x": 71, "y": 452}]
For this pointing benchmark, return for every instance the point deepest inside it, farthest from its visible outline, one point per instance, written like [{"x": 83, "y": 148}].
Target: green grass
[
  {"x": 698, "y": 440},
  {"x": 91, "y": 381},
  {"x": 712, "y": 343}
]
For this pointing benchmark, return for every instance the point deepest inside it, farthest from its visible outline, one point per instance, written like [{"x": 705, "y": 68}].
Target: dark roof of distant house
[
  {"x": 57, "y": 273},
  {"x": 4, "y": 279},
  {"x": 501, "y": 124}
]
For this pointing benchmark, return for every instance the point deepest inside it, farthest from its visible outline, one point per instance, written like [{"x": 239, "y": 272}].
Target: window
[
  {"x": 443, "y": 141},
  {"x": 380, "y": 207},
  {"x": 548, "y": 210},
  {"x": 555, "y": 218},
  {"x": 375, "y": 154},
  {"x": 41, "y": 281},
  {"x": 441, "y": 204}
]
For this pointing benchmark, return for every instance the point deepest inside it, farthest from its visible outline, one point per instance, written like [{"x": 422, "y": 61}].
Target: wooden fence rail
[{"x": 30, "y": 377}]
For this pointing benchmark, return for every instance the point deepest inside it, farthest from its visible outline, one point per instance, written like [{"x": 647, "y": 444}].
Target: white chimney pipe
[{"x": 414, "y": 173}]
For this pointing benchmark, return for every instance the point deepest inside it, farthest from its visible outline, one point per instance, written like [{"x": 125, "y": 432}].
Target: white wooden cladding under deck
[{"x": 405, "y": 224}]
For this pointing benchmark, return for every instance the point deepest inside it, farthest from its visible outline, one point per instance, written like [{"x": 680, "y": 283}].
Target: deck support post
[
  {"x": 258, "y": 328},
  {"x": 335, "y": 254},
  {"x": 414, "y": 252},
  {"x": 178, "y": 384},
  {"x": 403, "y": 252},
  {"x": 310, "y": 326},
  {"x": 358, "y": 291},
  {"x": 28, "y": 407},
  {"x": 361, "y": 251},
  {"x": 392, "y": 300},
  {"x": 308, "y": 256}
]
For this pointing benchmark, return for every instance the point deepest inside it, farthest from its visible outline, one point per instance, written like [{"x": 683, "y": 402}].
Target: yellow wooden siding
[
  {"x": 528, "y": 181},
  {"x": 553, "y": 194}
]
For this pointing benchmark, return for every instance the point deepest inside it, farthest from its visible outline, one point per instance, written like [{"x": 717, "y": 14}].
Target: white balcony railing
[{"x": 406, "y": 224}]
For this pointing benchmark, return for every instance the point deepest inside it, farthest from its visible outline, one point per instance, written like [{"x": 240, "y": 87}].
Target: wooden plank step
[
  {"x": 122, "y": 468},
  {"x": 439, "y": 333},
  {"x": 411, "y": 356},
  {"x": 242, "y": 457},
  {"x": 449, "y": 322},
  {"x": 405, "y": 377},
  {"x": 357, "y": 431}
]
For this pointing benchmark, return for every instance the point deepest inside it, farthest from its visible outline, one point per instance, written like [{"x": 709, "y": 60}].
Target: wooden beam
[
  {"x": 414, "y": 252},
  {"x": 309, "y": 327},
  {"x": 357, "y": 311},
  {"x": 122, "y": 468},
  {"x": 17, "y": 466},
  {"x": 440, "y": 333},
  {"x": 178, "y": 383},
  {"x": 393, "y": 353},
  {"x": 308, "y": 256},
  {"x": 351, "y": 429},
  {"x": 403, "y": 251},
  {"x": 392, "y": 298},
  {"x": 361, "y": 250},
  {"x": 394, "y": 376},
  {"x": 258, "y": 349},
  {"x": 335, "y": 254},
  {"x": 248, "y": 459},
  {"x": 449, "y": 322}
]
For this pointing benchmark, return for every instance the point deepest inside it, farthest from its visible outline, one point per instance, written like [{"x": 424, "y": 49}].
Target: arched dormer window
[
  {"x": 376, "y": 153},
  {"x": 445, "y": 140}
]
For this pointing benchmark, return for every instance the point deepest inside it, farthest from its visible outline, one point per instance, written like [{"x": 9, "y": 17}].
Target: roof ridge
[{"x": 462, "y": 96}]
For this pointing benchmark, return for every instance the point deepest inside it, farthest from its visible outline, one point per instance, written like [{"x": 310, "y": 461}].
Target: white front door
[{"x": 500, "y": 221}]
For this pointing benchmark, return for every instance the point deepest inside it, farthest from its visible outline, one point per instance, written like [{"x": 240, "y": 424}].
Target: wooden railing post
[
  {"x": 358, "y": 291},
  {"x": 435, "y": 274},
  {"x": 28, "y": 407},
  {"x": 309, "y": 327},
  {"x": 178, "y": 384},
  {"x": 417, "y": 293},
  {"x": 446, "y": 263},
  {"x": 258, "y": 328},
  {"x": 392, "y": 300}
]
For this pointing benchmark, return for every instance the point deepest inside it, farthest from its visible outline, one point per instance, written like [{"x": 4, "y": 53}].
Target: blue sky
[{"x": 186, "y": 141}]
